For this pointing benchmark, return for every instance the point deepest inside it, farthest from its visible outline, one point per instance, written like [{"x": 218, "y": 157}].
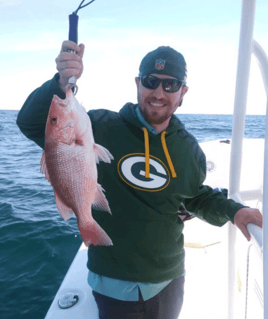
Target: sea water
[{"x": 36, "y": 245}]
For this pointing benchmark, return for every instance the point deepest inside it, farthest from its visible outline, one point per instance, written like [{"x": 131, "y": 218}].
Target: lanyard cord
[{"x": 80, "y": 6}]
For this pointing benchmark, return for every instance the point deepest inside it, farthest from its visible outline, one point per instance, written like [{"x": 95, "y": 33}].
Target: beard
[{"x": 152, "y": 116}]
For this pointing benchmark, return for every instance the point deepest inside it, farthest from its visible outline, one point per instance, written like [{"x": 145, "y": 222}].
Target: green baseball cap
[{"x": 164, "y": 60}]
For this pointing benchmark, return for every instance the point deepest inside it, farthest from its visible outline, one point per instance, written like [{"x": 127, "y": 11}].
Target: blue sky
[{"x": 117, "y": 34}]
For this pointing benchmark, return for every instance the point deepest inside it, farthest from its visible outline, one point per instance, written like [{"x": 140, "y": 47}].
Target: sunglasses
[{"x": 169, "y": 85}]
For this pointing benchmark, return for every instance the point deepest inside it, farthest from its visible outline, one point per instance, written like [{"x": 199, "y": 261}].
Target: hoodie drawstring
[
  {"x": 164, "y": 145},
  {"x": 147, "y": 153}
]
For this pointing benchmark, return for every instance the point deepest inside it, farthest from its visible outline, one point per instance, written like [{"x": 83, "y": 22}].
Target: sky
[{"x": 117, "y": 35}]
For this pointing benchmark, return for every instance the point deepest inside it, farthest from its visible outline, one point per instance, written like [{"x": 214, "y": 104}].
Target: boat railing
[{"x": 247, "y": 46}]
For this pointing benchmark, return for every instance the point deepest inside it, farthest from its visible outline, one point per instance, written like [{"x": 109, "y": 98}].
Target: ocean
[{"x": 36, "y": 245}]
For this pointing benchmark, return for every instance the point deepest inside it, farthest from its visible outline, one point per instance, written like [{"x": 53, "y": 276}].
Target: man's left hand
[{"x": 245, "y": 216}]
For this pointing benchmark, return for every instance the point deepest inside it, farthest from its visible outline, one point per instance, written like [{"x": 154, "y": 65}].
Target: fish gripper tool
[{"x": 73, "y": 36}]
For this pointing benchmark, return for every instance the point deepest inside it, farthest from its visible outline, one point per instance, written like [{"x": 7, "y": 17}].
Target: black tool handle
[{"x": 73, "y": 27}]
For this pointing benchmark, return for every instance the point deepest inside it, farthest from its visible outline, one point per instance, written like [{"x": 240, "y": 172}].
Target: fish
[{"x": 69, "y": 163}]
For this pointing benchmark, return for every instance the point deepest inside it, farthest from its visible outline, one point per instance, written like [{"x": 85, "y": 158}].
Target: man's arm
[
  {"x": 212, "y": 206},
  {"x": 216, "y": 209}
]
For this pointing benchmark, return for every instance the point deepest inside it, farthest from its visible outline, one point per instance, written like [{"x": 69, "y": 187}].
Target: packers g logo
[{"x": 131, "y": 169}]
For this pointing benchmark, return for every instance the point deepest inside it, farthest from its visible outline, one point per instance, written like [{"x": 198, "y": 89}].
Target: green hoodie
[{"x": 144, "y": 226}]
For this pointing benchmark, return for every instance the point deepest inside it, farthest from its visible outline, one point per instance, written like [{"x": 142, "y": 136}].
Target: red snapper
[{"x": 69, "y": 164}]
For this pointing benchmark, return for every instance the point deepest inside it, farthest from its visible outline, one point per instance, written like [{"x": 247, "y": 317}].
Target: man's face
[{"x": 157, "y": 106}]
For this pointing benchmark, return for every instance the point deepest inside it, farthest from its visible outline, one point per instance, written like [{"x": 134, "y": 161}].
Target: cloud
[{"x": 112, "y": 59}]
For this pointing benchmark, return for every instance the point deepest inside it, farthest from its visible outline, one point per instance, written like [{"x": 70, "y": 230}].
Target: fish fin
[
  {"x": 43, "y": 167},
  {"x": 100, "y": 201},
  {"x": 65, "y": 211},
  {"x": 92, "y": 233},
  {"x": 102, "y": 154}
]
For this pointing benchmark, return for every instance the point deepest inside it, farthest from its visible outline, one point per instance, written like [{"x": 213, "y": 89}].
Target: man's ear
[{"x": 183, "y": 92}]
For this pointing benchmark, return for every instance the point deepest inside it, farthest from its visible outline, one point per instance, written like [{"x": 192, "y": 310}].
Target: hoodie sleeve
[
  {"x": 209, "y": 204},
  {"x": 32, "y": 117}
]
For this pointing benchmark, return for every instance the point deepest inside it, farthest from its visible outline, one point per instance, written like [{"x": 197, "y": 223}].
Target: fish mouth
[
  {"x": 60, "y": 102},
  {"x": 69, "y": 92}
]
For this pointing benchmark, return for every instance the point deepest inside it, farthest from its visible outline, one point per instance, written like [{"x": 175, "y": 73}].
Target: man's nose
[{"x": 159, "y": 93}]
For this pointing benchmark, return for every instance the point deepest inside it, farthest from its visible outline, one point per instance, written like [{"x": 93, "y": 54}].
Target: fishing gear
[{"x": 73, "y": 36}]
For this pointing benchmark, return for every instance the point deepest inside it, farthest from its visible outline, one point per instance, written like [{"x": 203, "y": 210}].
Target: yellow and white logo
[{"x": 131, "y": 169}]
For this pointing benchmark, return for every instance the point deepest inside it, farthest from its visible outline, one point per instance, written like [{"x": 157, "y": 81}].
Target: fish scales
[{"x": 69, "y": 164}]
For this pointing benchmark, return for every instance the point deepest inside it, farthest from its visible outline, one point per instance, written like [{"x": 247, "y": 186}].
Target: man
[{"x": 158, "y": 166}]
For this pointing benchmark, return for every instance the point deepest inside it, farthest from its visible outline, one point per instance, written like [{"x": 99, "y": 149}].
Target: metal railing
[{"x": 247, "y": 46}]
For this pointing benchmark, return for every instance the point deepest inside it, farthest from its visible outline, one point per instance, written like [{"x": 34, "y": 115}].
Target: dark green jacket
[{"x": 144, "y": 226}]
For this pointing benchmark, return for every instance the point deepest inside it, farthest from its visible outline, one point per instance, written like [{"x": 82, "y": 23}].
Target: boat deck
[{"x": 206, "y": 271}]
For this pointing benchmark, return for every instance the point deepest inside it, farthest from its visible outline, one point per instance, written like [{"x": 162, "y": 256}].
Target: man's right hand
[{"x": 70, "y": 64}]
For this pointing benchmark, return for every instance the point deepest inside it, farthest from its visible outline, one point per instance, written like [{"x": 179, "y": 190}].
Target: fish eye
[{"x": 53, "y": 120}]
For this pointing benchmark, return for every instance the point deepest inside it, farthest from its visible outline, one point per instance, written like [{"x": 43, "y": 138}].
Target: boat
[{"x": 226, "y": 276}]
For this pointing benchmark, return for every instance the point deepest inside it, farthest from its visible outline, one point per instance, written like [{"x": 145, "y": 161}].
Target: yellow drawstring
[
  {"x": 164, "y": 145},
  {"x": 147, "y": 153}
]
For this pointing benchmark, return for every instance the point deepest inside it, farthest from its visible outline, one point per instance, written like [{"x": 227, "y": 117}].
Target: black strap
[{"x": 80, "y": 6}]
